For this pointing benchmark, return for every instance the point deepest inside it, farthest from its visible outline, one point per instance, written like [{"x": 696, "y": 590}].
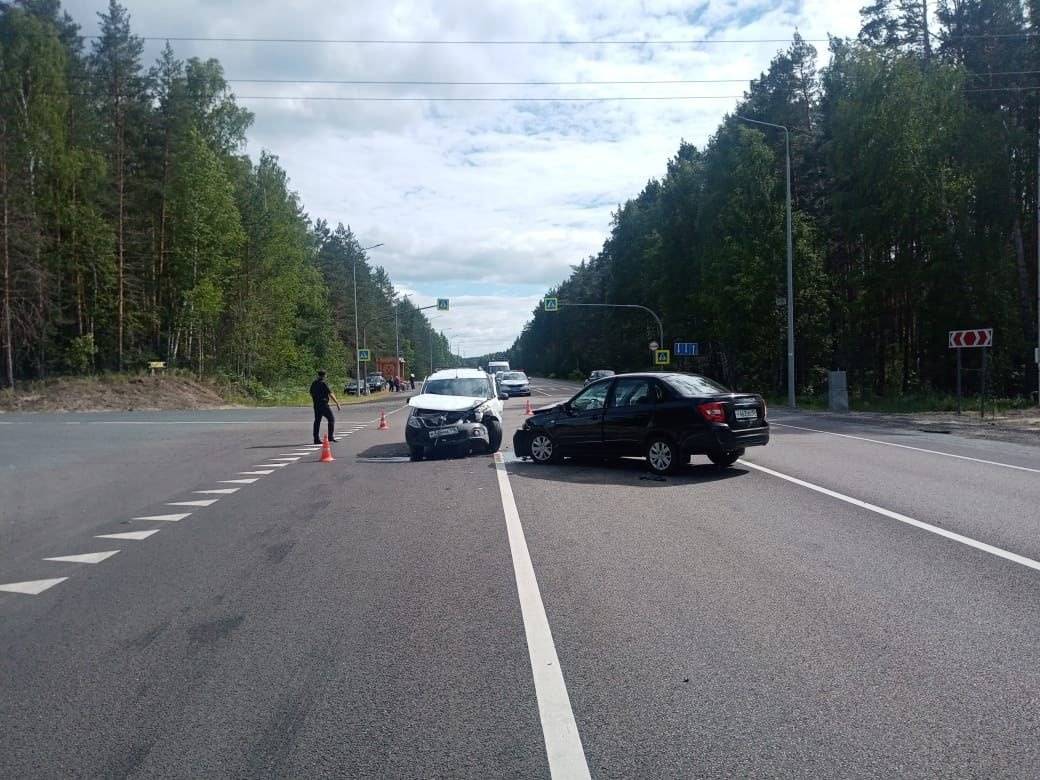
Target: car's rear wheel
[
  {"x": 543, "y": 449},
  {"x": 662, "y": 456},
  {"x": 494, "y": 429},
  {"x": 725, "y": 459},
  {"x": 416, "y": 453}
]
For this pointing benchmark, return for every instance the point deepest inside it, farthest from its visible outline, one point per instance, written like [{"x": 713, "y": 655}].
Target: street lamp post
[
  {"x": 790, "y": 261},
  {"x": 357, "y": 333}
]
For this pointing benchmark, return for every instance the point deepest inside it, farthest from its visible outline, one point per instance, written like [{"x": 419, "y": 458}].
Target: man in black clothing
[{"x": 320, "y": 395}]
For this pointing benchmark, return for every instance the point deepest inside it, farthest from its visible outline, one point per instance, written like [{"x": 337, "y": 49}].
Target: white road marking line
[
  {"x": 265, "y": 472},
  {"x": 908, "y": 447},
  {"x": 78, "y": 422},
  {"x": 133, "y": 535},
  {"x": 31, "y": 587},
  {"x": 199, "y": 502},
  {"x": 164, "y": 518},
  {"x": 217, "y": 491},
  {"x": 998, "y": 551},
  {"x": 270, "y": 465},
  {"x": 387, "y": 459},
  {"x": 562, "y": 740},
  {"x": 249, "y": 481},
  {"x": 84, "y": 558},
  {"x": 288, "y": 458}
]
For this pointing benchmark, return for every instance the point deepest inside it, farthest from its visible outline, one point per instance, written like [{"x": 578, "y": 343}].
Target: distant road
[{"x": 851, "y": 600}]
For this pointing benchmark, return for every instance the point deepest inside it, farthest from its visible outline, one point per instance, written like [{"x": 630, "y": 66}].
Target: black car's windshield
[
  {"x": 514, "y": 375},
  {"x": 475, "y": 388},
  {"x": 692, "y": 385}
]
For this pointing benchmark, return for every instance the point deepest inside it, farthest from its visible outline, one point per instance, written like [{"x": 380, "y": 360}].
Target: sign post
[{"x": 972, "y": 338}]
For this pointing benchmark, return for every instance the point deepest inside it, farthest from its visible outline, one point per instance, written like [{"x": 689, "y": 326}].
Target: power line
[
  {"x": 531, "y": 42},
  {"x": 427, "y": 42},
  {"x": 496, "y": 99},
  {"x": 375, "y": 82}
]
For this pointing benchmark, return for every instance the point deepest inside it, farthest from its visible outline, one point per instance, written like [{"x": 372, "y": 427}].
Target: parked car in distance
[
  {"x": 351, "y": 387},
  {"x": 456, "y": 409},
  {"x": 600, "y": 373},
  {"x": 665, "y": 418},
  {"x": 376, "y": 382},
  {"x": 514, "y": 383}
]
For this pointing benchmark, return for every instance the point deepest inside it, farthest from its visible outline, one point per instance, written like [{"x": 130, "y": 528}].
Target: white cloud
[{"x": 482, "y": 200}]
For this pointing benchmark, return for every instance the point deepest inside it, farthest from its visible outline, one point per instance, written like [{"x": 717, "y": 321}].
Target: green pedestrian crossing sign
[
  {"x": 662, "y": 357},
  {"x": 551, "y": 304},
  {"x": 364, "y": 355}
]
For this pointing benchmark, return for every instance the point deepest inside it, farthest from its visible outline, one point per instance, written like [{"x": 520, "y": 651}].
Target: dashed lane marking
[
  {"x": 164, "y": 518},
  {"x": 270, "y": 465},
  {"x": 238, "y": 481},
  {"x": 217, "y": 491},
  {"x": 289, "y": 458},
  {"x": 135, "y": 536},
  {"x": 198, "y": 502},
  {"x": 31, "y": 587},
  {"x": 96, "y": 557},
  {"x": 249, "y": 473},
  {"x": 908, "y": 447},
  {"x": 966, "y": 540},
  {"x": 560, "y": 730}
]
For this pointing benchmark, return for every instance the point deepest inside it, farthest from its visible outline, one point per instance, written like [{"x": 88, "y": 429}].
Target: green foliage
[
  {"x": 911, "y": 199},
  {"x": 138, "y": 231}
]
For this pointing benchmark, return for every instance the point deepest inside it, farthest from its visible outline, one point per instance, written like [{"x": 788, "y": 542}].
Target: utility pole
[
  {"x": 790, "y": 261},
  {"x": 357, "y": 333}
]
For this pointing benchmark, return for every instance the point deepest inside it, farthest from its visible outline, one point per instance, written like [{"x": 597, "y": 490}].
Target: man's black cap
[{"x": 321, "y": 373}]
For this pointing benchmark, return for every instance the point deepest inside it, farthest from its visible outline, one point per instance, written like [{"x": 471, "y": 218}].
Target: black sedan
[{"x": 665, "y": 418}]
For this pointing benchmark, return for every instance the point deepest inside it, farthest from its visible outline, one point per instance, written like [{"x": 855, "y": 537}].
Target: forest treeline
[
  {"x": 134, "y": 228},
  {"x": 914, "y": 156}
]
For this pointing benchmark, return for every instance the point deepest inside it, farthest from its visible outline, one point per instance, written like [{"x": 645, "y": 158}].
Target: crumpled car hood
[{"x": 444, "y": 403}]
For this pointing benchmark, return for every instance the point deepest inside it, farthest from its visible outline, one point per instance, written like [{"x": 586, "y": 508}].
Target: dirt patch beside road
[{"x": 112, "y": 393}]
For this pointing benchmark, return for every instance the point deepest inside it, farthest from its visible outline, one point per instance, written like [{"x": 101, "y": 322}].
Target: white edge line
[
  {"x": 908, "y": 447},
  {"x": 560, "y": 730},
  {"x": 966, "y": 540}
]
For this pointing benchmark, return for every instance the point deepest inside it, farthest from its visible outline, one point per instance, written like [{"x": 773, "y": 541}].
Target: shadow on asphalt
[
  {"x": 400, "y": 449},
  {"x": 625, "y": 471}
]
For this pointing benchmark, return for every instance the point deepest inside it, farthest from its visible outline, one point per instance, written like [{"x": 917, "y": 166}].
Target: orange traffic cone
[
  {"x": 326, "y": 451},
  {"x": 384, "y": 425},
  {"x": 528, "y": 411}
]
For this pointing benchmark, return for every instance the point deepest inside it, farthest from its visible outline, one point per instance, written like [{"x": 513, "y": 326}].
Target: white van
[{"x": 496, "y": 367}]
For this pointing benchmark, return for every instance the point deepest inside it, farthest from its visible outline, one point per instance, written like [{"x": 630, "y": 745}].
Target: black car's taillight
[{"x": 713, "y": 411}]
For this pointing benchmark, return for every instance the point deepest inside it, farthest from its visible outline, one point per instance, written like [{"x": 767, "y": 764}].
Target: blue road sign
[{"x": 687, "y": 349}]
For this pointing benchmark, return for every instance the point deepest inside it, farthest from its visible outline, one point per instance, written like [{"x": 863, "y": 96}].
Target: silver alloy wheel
[
  {"x": 660, "y": 456},
  {"x": 541, "y": 448}
]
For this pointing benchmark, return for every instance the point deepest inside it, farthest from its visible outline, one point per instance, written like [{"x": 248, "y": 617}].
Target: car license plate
[
  {"x": 444, "y": 431},
  {"x": 746, "y": 414}
]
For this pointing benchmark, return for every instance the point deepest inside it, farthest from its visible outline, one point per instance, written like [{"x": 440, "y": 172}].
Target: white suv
[{"x": 456, "y": 409}]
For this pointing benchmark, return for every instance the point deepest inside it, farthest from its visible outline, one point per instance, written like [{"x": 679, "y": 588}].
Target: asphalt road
[{"x": 847, "y": 602}]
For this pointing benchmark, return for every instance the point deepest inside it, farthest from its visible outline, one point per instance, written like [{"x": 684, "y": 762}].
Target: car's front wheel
[
  {"x": 494, "y": 429},
  {"x": 416, "y": 453},
  {"x": 725, "y": 459},
  {"x": 543, "y": 449},
  {"x": 662, "y": 456}
]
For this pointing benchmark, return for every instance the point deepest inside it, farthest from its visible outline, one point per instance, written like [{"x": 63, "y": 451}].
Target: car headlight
[
  {"x": 413, "y": 422},
  {"x": 479, "y": 412}
]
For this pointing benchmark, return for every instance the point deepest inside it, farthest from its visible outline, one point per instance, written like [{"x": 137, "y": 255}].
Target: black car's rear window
[{"x": 691, "y": 385}]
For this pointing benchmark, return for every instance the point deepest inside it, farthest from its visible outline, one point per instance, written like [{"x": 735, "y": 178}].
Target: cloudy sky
[{"x": 486, "y": 203}]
